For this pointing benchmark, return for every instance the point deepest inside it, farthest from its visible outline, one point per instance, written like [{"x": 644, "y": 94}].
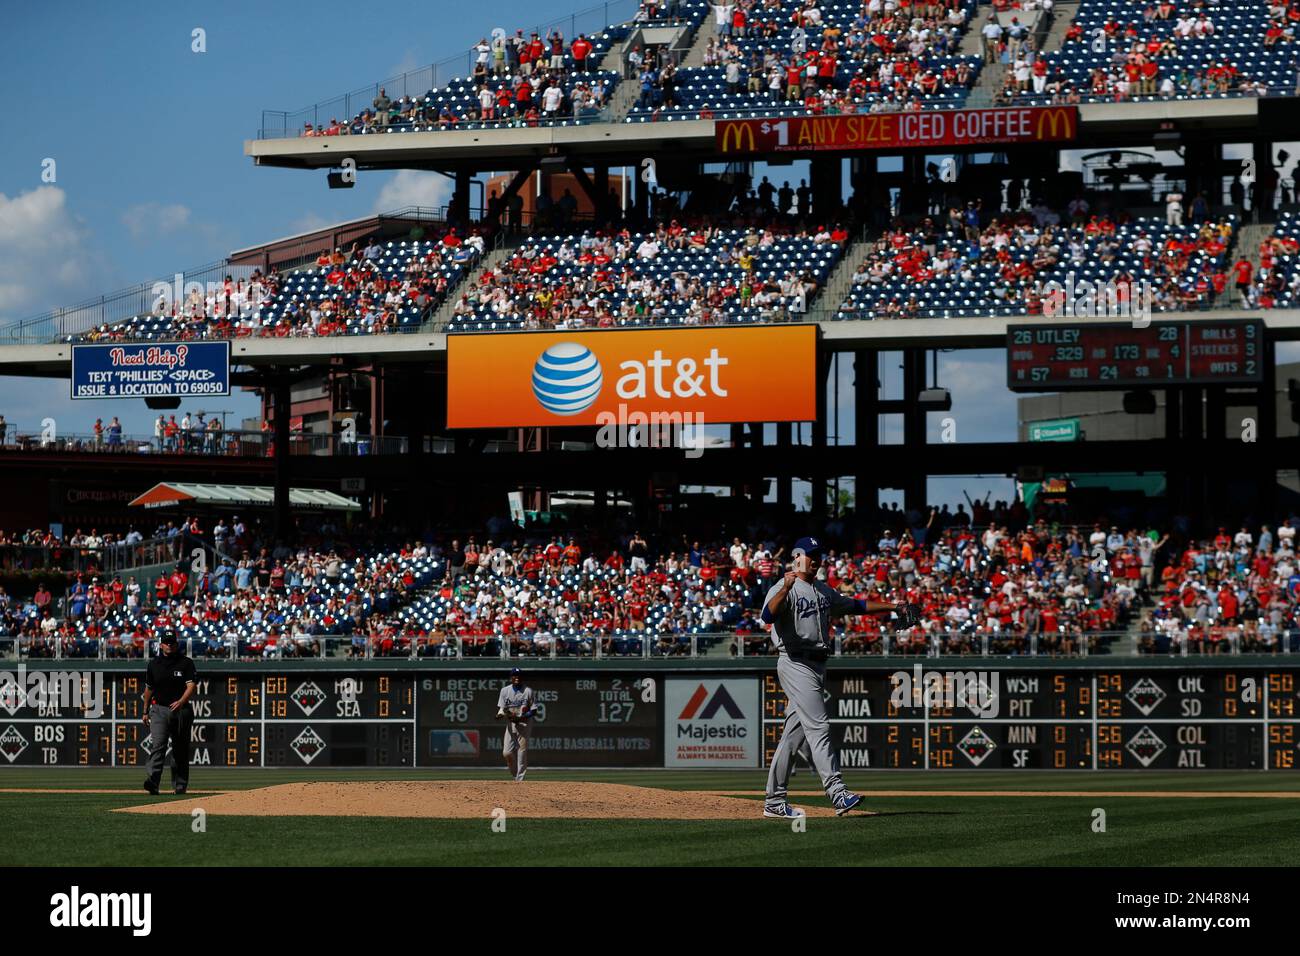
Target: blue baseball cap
[
  {"x": 809, "y": 546},
  {"x": 514, "y": 671}
]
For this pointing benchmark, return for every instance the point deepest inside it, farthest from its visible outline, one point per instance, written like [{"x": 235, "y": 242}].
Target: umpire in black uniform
[{"x": 169, "y": 684}]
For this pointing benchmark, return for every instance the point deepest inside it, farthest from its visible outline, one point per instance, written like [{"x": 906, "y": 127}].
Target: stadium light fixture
[{"x": 934, "y": 400}]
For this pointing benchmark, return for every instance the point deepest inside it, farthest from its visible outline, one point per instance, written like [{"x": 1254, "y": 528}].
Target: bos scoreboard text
[{"x": 959, "y": 714}]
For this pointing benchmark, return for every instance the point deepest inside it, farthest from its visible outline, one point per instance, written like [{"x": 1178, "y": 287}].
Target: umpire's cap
[
  {"x": 809, "y": 546},
  {"x": 168, "y": 638}
]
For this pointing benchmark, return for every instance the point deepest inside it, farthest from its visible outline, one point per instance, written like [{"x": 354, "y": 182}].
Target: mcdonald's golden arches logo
[
  {"x": 1055, "y": 123},
  {"x": 736, "y": 134}
]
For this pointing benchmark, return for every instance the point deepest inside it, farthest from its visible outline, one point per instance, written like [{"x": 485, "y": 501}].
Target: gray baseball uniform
[
  {"x": 515, "y": 746},
  {"x": 801, "y": 632}
]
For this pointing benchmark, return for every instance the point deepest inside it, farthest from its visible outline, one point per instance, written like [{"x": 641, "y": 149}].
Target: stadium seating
[
  {"x": 1006, "y": 271},
  {"x": 546, "y": 270},
  {"x": 984, "y": 588},
  {"x": 1222, "y": 55},
  {"x": 283, "y": 305},
  {"x": 878, "y": 64},
  {"x": 1277, "y": 281}
]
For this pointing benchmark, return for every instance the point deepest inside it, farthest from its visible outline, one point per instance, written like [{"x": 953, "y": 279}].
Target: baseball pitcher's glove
[{"x": 909, "y": 615}]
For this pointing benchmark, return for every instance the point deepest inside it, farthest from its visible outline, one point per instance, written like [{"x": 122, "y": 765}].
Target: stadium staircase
[
  {"x": 628, "y": 90},
  {"x": 1248, "y": 238},
  {"x": 840, "y": 281},
  {"x": 695, "y": 55},
  {"x": 505, "y": 247},
  {"x": 1061, "y": 16}
]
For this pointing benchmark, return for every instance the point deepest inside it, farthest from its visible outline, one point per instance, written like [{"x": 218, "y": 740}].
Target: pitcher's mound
[{"x": 470, "y": 800}]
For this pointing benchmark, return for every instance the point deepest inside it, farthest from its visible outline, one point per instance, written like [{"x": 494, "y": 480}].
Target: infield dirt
[{"x": 467, "y": 800}]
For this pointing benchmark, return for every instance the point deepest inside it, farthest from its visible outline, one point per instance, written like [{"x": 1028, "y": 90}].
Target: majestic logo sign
[
  {"x": 717, "y": 723},
  {"x": 720, "y": 700},
  {"x": 567, "y": 378}
]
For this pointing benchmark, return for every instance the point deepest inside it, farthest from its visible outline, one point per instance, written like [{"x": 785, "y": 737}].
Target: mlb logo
[{"x": 453, "y": 743}]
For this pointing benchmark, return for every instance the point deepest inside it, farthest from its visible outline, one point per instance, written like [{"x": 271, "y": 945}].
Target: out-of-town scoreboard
[
  {"x": 1089, "y": 717},
  {"x": 1062, "y": 719},
  {"x": 1103, "y": 355}
]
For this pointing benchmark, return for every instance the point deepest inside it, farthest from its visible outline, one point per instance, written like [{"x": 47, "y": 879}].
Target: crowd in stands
[
  {"x": 995, "y": 579},
  {"x": 695, "y": 274},
  {"x": 959, "y": 265},
  {"x": 514, "y": 81},
  {"x": 1164, "y": 49},
  {"x": 818, "y": 57},
  {"x": 1275, "y": 282},
  {"x": 1236, "y": 590},
  {"x": 377, "y": 288}
]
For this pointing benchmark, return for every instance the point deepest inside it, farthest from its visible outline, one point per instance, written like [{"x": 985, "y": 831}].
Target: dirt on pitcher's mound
[{"x": 470, "y": 800}]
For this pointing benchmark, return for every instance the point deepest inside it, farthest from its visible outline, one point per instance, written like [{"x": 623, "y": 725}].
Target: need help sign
[{"x": 149, "y": 369}]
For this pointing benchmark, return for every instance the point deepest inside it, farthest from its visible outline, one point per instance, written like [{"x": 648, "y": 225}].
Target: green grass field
[{"x": 940, "y": 830}]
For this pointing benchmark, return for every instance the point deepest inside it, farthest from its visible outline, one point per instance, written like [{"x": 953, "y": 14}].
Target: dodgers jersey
[
  {"x": 512, "y": 696},
  {"x": 805, "y": 618}
]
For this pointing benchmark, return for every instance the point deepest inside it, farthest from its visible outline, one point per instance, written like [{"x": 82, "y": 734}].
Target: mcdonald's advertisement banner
[
  {"x": 801, "y": 134},
  {"x": 700, "y": 376}
]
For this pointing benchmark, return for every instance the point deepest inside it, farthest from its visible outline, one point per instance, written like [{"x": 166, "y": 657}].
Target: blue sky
[{"x": 147, "y": 141}]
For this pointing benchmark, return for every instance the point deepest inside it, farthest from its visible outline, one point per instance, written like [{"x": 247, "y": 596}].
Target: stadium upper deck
[{"x": 693, "y": 63}]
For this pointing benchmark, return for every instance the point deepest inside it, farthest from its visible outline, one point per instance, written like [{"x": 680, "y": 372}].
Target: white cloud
[
  {"x": 410, "y": 187},
  {"x": 151, "y": 219},
  {"x": 43, "y": 255}
]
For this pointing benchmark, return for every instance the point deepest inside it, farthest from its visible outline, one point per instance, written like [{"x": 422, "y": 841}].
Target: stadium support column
[
  {"x": 784, "y": 482},
  {"x": 1216, "y": 421},
  {"x": 817, "y": 480},
  {"x": 866, "y": 434},
  {"x": 1175, "y": 493},
  {"x": 914, "y": 430},
  {"x": 1191, "y": 433},
  {"x": 603, "y": 211},
  {"x": 376, "y": 430},
  {"x": 280, "y": 392},
  {"x": 462, "y": 197},
  {"x": 827, "y": 182},
  {"x": 1266, "y": 437}
]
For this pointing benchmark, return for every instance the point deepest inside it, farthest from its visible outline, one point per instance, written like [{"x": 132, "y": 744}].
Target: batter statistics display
[
  {"x": 587, "y": 721},
  {"x": 1103, "y": 355},
  {"x": 1216, "y": 718}
]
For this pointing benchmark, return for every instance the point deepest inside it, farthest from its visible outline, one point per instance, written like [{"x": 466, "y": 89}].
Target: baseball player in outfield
[
  {"x": 515, "y": 705},
  {"x": 799, "y": 609}
]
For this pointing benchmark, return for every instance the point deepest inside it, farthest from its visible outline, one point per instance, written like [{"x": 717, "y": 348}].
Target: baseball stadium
[{"x": 671, "y": 433}]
